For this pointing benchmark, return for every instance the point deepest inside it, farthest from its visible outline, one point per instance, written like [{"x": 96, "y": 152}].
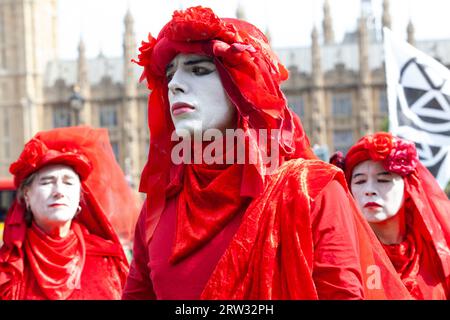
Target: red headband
[
  {"x": 396, "y": 155},
  {"x": 36, "y": 155}
]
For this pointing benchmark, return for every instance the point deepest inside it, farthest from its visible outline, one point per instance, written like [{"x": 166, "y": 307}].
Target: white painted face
[
  {"x": 54, "y": 196},
  {"x": 379, "y": 194},
  {"x": 197, "y": 99}
]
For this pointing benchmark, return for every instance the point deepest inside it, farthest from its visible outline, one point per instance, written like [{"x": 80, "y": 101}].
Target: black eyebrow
[
  {"x": 199, "y": 60},
  {"x": 386, "y": 173},
  {"x": 191, "y": 62},
  {"x": 357, "y": 175}
]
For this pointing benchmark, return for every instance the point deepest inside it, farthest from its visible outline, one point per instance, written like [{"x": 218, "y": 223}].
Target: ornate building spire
[
  {"x": 316, "y": 58},
  {"x": 129, "y": 52},
  {"x": 411, "y": 33},
  {"x": 366, "y": 124},
  {"x": 82, "y": 72},
  {"x": 318, "y": 116},
  {"x": 81, "y": 90},
  {"x": 327, "y": 24},
  {"x": 386, "y": 19},
  {"x": 130, "y": 133}
]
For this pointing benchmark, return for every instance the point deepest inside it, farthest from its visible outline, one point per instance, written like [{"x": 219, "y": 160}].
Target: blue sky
[{"x": 100, "y": 22}]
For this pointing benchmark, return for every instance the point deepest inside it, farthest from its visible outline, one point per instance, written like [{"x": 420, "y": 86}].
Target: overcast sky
[{"x": 100, "y": 22}]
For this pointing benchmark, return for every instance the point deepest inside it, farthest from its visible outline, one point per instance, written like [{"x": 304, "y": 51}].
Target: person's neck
[
  {"x": 391, "y": 231},
  {"x": 60, "y": 230}
]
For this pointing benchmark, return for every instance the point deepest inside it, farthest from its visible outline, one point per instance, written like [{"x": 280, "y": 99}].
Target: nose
[
  {"x": 370, "y": 193},
  {"x": 57, "y": 190},
  {"x": 177, "y": 84},
  {"x": 370, "y": 190}
]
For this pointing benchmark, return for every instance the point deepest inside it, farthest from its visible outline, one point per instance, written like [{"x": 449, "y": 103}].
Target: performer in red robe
[
  {"x": 405, "y": 207},
  {"x": 286, "y": 228},
  {"x": 58, "y": 242}
]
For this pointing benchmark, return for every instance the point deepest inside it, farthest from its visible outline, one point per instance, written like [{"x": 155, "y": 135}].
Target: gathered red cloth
[
  {"x": 256, "y": 231},
  {"x": 423, "y": 258},
  {"x": 416, "y": 260},
  {"x": 405, "y": 257},
  {"x": 90, "y": 263},
  {"x": 95, "y": 277},
  {"x": 210, "y": 202},
  {"x": 298, "y": 240},
  {"x": 56, "y": 263}
]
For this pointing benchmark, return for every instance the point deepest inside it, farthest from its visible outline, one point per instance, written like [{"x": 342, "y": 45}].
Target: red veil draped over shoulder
[
  {"x": 427, "y": 208},
  {"x": 251, "y": 75},
  {"x": 107, "y": 197}
]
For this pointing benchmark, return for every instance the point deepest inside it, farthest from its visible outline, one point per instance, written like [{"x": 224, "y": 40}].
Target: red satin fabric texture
[
  {"x": 429, "y": 210},
  {"x": 418, "y": 264},
  {"x": 100, "y": 278},
  {"x": 405, "y": 258},
  {"x": 272, "y": 254},
  {"x": 56, "y": 263},
  {"x": 209, "y": 200},
  {"x": 105, "y": 265}
]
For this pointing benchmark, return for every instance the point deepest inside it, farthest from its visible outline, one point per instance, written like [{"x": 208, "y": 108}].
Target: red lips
[
  {"x": 53, "y": 205},
  {"x": 181, "y": 107},
  {"x": 372, "y": 205}
]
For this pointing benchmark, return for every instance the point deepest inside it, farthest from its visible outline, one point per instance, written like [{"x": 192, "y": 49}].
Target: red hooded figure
[
  {"x": 242, "y": 230},
  {"x": 84, "y": 259},
  {"x": 416, "y": 233}
]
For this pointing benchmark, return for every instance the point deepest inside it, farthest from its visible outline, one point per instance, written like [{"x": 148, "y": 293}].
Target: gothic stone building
[{"x": 338, "y": 89}]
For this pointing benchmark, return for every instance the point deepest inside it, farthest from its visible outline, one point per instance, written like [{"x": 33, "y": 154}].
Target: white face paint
[
  {"x": 197, "y": 99},
  {"x": 54, "y": 196},
  {"x": 379, "y": 194}
]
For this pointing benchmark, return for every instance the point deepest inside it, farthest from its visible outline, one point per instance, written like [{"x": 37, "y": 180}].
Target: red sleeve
[
  {"x": 138, "y": 285},
  {"x": 337, "y": 269}
]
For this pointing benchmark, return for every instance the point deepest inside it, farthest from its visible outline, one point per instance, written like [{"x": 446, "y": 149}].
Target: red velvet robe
[
  {"x": 304, "y": 211},
  {"x": 101, "y": 279},
  {"x": 419, "y": 267}
]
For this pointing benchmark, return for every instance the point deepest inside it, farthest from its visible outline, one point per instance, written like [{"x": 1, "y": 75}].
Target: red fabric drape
[
  {"x": 427, "y": 207},
  {"x": 107, "y": 181},
  {"x": 271, "y": 256},
  {"x": 97, "y": 232},
  {"x": 251, "y": 75},
  {"x": 56, "y": 263},
  {"x": 211, "y": 201}
]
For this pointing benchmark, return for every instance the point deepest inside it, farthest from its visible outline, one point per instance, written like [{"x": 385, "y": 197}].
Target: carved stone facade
[
  {"x": 39, "y": 92},
  {"x": 341, "y": 87}
]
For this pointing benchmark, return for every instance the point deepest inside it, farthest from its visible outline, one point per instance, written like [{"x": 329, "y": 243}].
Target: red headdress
[
  {"x": 89, "y": 153},
  {"x": 251, "y": 75},
  {"x": 430, "y": 204}
]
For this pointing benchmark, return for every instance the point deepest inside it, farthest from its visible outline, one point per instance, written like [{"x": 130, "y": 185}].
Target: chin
[
  {"x": 188, "y": 130},
  {"x": 378, "y": 218},
  {"x": 63, "y": 216}
]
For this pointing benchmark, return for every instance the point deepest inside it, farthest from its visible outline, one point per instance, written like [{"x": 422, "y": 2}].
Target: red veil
[
  {"x": 106, "y": 182},
  {"x": 106, "y": 197},
  {"x": 245, "y": 62},
  {"x": 251, "y": 75},
  {"x": 427, "y": 202}
]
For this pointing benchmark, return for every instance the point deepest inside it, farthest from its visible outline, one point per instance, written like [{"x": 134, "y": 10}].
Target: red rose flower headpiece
[
  {"x": 36, "y": 155},
  {"x": 396, "y": 155}
]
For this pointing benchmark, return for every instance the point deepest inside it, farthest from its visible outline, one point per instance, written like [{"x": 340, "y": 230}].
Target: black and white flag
[{"x": 418, "y": 90}]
